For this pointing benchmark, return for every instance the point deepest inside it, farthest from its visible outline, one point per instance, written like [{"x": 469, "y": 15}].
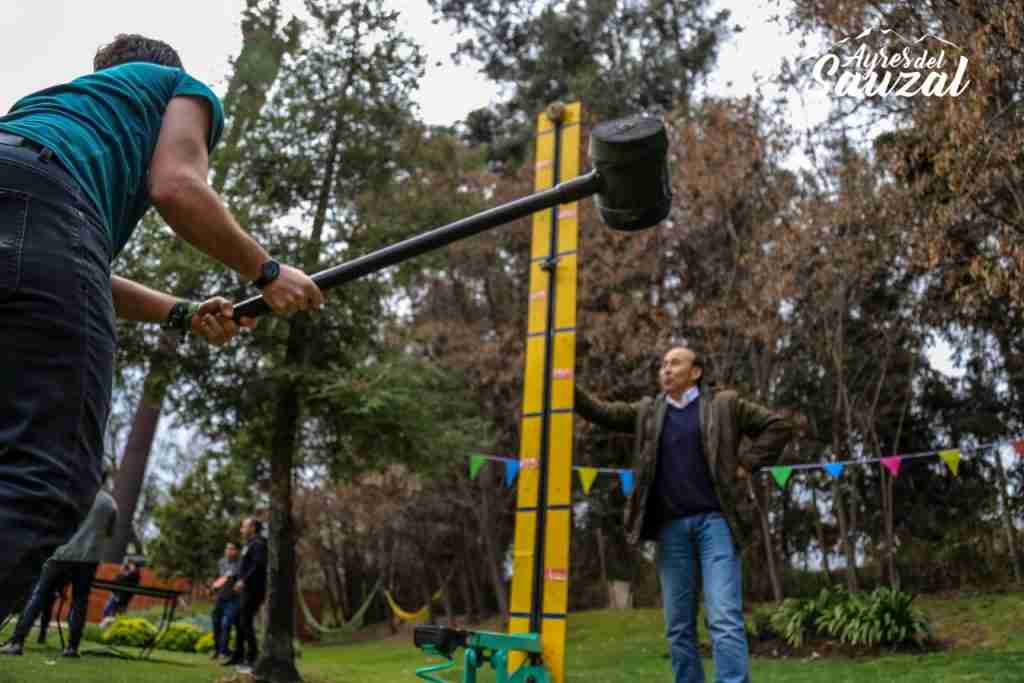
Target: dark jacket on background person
[
  {"x": 725, "y": 420},
  {"x": 252, "y": 569}
]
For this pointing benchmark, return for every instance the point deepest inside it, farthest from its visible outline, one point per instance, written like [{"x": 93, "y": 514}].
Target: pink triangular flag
[{"x": 893, "y": 464}]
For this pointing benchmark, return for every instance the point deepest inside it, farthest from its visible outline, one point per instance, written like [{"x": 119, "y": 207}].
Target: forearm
[
  {"x": 197, "y": 214},
  {"x": 617, "y": 416},
  {"x": 133, "y": 301}
]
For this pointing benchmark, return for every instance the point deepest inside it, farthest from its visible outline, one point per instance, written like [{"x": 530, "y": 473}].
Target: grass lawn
[{"x": 985, "y": 634}]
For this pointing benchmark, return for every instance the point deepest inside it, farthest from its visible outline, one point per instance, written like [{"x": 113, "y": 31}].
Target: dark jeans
[
  {"x": 223, "y": 617},
  {"x": 47, "y": 611},
  {"x": 117, "y": 603},
  {"x": 57, "y": 574},
  {"x": 246, "y": 648},
  {"x": 57, "y": 340}
]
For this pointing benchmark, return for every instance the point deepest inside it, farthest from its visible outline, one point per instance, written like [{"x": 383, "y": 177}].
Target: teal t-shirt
[{"x": 104, "y": 128}]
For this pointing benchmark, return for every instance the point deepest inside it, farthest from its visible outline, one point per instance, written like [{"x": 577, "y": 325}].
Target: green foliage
[
  {"x": 92, "y": 633},
  {"x": 200, "y": 513},
  {"x": 795, "y": 617},
  {"x": 883, "y": 617},
  {"x": 129, "y": 631},
  {"x": 180, "y": 637},
  {"x": 205, "y": 643}
]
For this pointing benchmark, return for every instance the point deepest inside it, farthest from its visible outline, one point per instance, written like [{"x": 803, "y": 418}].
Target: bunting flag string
[{"x": 781, "y": 474}]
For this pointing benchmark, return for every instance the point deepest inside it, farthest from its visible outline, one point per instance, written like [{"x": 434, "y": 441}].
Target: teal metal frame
[{"x": 482, "y": 648}]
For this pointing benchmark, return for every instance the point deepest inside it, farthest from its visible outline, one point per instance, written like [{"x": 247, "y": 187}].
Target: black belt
[{"x": 18, "y": 141}]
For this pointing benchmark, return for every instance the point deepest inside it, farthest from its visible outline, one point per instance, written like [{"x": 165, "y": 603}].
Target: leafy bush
[
  {"x": 180, "y": 637},
  {"x": 759, "y": 625},
  {"x": 129, "y": 631},
  {"x": 92, "y": 633},
  {"x": 882, "y": 617},
  {"x": 795, "y": 617},
  {"x": 205, "y": 643}
]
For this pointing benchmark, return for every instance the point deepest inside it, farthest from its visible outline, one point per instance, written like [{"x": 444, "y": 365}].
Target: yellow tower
[{"x": 540, "y": 583}]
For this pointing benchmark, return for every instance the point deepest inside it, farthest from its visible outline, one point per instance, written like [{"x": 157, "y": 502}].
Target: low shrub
[
  {"x": 180, "y": 637},
  {"x": 205, "y": 643},
  {"x": 883, "y": 617},
  {"x": 129, "y": 631}
]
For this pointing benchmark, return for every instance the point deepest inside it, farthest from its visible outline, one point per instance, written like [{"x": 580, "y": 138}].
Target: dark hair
[
  {"x": 234, "y": 544},
  {"x": 131, "y": 47},
  {"x": 257, "y": 525}
]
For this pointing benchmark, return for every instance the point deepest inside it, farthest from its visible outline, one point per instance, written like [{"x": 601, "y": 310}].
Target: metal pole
[
  {"x": 569, "y": 191},
  {"x": 551, "y": 267}
]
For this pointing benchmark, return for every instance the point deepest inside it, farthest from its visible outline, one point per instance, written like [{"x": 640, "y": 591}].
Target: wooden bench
[{"x": 170, "y": 603}]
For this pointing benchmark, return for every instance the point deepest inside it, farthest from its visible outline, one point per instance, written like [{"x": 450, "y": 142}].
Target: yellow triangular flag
[
  {"x": 952, "y": 459},
  {"x": 587, "y": 476}
]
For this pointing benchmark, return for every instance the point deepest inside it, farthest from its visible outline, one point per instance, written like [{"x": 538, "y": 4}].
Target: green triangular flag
[
  {"x": 475, "y": 461},
  {"x": 781, "y": 475}
]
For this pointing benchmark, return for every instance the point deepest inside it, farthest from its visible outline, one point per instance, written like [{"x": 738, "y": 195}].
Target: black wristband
[{"x": 179, "y": 319}]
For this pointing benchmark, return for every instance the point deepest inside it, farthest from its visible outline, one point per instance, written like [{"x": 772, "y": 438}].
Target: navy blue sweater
[{"x": 682, "y": 481}]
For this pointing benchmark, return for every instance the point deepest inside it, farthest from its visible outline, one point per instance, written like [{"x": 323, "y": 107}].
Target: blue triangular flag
[
  {"x": 835, "y": 469},
  {"x": 511, "y": 470},
  {"x": 626, "y": 477}
]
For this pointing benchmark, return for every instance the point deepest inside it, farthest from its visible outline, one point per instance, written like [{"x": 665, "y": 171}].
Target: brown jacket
[{"x": 725, "y": 419}]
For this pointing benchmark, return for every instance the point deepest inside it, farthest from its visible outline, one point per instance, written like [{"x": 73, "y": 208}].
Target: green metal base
[{"x": 482, "y": 647}]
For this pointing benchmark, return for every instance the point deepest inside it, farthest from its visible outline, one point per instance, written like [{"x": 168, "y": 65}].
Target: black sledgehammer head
[{"x": 631, "y": 157}]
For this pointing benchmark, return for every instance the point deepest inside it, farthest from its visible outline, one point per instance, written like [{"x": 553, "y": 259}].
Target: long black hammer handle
[{"x": 564, "y": 193}]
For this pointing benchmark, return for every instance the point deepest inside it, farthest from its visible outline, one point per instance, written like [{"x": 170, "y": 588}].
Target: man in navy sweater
[{"x": 688, "y": 465}]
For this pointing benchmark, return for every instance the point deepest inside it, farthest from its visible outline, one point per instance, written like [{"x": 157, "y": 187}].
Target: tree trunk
[
  {"x": 446, "y": 598},
  {"x": 488, "y": 528},
  {"x": 479, "y": 602},
  {"x": 1007, "y": 519},
  {"x": 603, "y": 564},
  {"x": 766, "y": 535},
  {"x": 132, "y": 471},
  {"x": 465, "y": 596},
  {"x": 819, "y": 528},
  {"x": 277, "y": 661}
]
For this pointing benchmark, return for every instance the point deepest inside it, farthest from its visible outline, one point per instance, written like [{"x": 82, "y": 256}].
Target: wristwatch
[
  {"x": 179, "y": 319},
  {"x": 268, "y": 273}
]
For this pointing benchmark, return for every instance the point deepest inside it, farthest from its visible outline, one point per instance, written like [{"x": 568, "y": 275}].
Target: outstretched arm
[
  {"x": 212, "y": 319},
  {"x": 616, "y": 415},
  {"x": 179, "y": 191}
]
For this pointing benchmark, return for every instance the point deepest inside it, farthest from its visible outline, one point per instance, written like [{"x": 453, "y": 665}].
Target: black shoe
[
  {"x": 215, "y": 655},
  {"x": 234, "y": 661},
  {"x": 73, "y": 654},
  {"x": 11, "y": 648},
  {"x": 41, "y": 640}
]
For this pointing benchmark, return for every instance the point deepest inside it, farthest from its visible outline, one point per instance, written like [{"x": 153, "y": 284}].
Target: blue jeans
[
  {"x": 682, "y": 544},
  {"x": 223, "y": 617},
  {"x": 57, "y": 341}
]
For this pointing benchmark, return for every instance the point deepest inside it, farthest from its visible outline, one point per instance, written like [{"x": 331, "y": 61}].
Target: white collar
[{"x": 691, "y": 395}]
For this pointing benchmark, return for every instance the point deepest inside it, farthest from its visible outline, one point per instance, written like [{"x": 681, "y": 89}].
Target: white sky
[{"x": 50, "y": 41}]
